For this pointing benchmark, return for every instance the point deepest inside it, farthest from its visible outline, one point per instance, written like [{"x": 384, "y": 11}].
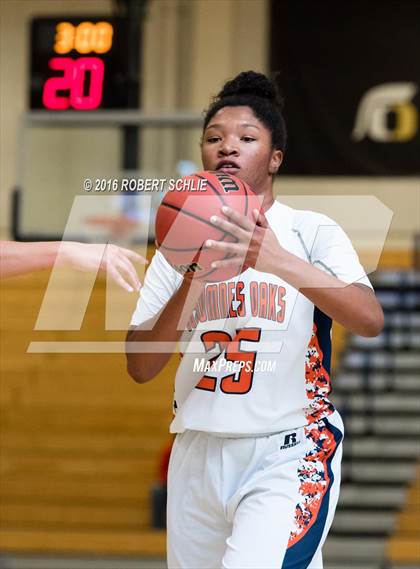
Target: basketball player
[
  {"x": 18, "y": 258},
  {"x": 255, "y": 469}
]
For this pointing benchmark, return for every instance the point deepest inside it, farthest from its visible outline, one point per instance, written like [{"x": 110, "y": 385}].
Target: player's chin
[{"x": 248, "y": 178}]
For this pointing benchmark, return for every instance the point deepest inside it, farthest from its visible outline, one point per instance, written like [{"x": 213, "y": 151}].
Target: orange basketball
[{"x": 183, "y": 222}]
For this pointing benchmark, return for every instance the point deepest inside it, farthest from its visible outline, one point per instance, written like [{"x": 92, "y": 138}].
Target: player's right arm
[{"x": 165, "y": 305}]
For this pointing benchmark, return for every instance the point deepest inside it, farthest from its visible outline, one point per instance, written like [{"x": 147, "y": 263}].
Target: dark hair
[{"x": 262, "y": 95}]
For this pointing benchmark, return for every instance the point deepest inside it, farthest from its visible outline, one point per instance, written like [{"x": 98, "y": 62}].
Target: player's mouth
[{"x": 228, "y": 167}]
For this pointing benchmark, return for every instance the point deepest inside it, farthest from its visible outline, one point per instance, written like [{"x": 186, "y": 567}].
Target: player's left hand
[{"x": 256, "y": 242}]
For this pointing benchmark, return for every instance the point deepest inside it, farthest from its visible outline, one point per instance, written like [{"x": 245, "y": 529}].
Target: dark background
[{"x": 330, "y": 54}]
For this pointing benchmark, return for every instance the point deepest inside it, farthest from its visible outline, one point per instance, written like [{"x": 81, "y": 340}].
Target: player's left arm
[{"x": 354, "y": 306}]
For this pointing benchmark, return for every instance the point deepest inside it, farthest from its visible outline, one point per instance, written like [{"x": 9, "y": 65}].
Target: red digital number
[
  {"x": 93, "y": 99},
  {"x": 73, "y": 80},
  {"x": 49, "y": 95},
  {"x": 234, "y": 383}
]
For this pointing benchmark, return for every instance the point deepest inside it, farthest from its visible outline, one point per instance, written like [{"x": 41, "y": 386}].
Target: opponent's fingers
[
  {"x": 133, "y": 256},
  {"x": 238, "y": 218},
  {"x": 119, "y": 279},
  {"x": 118, "y": 258},
  {"x": 129, "y": 271},
  {"x": 122, "y": 267},
  {"x": 259, "y": 218}
]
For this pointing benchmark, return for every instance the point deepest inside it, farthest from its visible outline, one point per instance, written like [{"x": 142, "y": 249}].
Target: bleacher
[
  {"x": 377, "y": 390},
  {"x": 80, "y": 440}
]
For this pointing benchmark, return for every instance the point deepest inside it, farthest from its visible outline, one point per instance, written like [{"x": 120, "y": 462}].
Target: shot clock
[{"x": 79, "y": 64}]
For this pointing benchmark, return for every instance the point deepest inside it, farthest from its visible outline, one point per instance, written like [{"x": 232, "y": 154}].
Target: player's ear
[{"x": 275, "y": 162}]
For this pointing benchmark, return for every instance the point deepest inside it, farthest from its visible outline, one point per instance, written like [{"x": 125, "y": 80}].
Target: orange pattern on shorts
[
  {"x": 314, "y": 479},
  {"x": 312, "y": 470}
]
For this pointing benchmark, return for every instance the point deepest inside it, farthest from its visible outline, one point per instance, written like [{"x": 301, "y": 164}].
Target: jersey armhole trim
[
  {"x": 302, "y": 242},
  {"x": 326, "y": 267}
]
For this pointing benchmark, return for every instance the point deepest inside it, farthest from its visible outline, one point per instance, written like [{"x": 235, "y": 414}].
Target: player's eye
[
  {"x": 248, "y": 138},
  {"x": 213, "y": 139}
]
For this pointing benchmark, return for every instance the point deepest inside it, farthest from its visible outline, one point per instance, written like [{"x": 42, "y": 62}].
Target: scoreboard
[{"x": 80, "y": 64}]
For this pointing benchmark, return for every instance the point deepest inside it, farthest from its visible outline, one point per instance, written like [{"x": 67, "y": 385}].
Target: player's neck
[
  {"x": 267, "y": 203},
  {"x": 266, "y": 192},
  {"x": 267, "y": 200}
]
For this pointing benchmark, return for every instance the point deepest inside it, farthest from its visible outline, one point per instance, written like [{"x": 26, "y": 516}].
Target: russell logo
[
  {"x": 290, "y": 440},
  {"x": 191, "y": 267},
  {"x": 378, "y": 105}
]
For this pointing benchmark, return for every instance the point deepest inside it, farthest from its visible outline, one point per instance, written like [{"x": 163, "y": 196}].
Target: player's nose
[{"x": 228, "y": 149}]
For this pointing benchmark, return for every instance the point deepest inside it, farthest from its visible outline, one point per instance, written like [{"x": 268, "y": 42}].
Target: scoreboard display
[{"x": 80, "y": 64}]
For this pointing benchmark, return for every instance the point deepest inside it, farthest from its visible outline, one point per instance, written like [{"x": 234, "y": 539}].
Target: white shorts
[{"x": 253, "y": 503}]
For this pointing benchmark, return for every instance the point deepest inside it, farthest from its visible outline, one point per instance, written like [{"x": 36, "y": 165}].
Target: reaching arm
[{"x": 20, "y": 258}]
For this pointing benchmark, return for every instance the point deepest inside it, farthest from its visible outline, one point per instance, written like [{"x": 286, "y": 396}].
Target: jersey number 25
[{"x": 238, "y": 382}]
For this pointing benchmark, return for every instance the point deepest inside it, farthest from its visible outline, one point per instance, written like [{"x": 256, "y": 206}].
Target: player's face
[{"x": 238, "y": 143}]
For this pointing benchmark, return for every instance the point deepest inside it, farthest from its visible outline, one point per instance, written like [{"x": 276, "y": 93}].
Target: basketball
[{"x": 183, "y": 222}]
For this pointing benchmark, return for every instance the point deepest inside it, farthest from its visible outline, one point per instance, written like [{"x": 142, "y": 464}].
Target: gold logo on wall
[{"x": 375, "y": 107}]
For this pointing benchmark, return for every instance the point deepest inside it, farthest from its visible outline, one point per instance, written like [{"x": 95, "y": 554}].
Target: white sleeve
[
  {"x": 160, "y": 283},
  {"x": 334, "y": 253}
]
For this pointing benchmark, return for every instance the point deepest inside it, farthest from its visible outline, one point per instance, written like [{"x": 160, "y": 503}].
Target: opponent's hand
[
  {"x": 256, "y": 242},
  {"x": 111, "y": 259}
]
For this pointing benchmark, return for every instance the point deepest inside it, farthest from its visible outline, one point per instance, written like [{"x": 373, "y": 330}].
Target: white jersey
[{"x": 257, "y": 353}]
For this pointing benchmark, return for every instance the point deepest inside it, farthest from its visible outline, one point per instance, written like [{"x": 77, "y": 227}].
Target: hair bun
[
  {"x": 262, "y": 95},
  {"x": 251, "y": 83}
]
